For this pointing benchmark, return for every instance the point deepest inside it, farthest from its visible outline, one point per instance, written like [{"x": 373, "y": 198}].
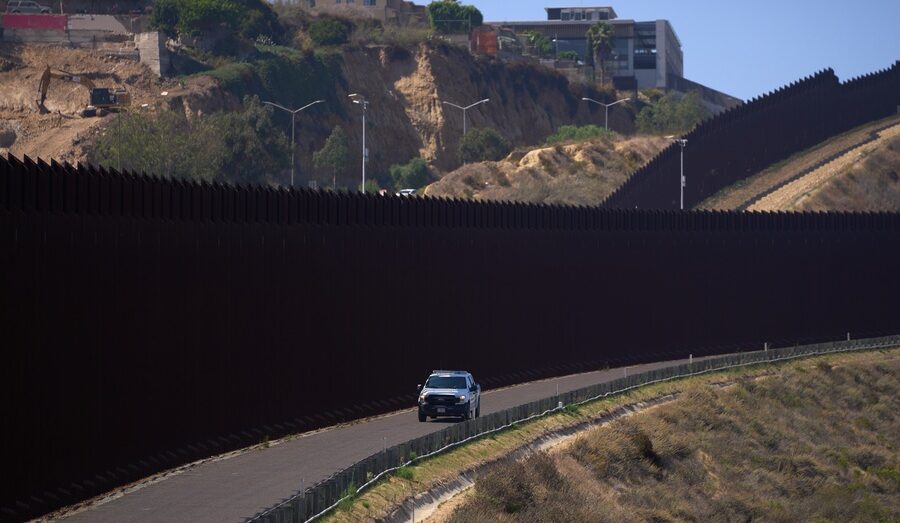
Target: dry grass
[
  {"x": 376, "y": 502},
  {"x": 734, "y": 195},
  {"x": 576, "y": 173},
  {"x": 818, "y": 441},
  {"x": 872, "y": 184}
]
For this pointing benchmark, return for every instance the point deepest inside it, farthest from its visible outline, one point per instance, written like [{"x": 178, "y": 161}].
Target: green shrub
[
  {"x": 450, "y": 16},
  {"x": 568, "y": 55},
  {"x": 573, "y": 133},
  {"x": 283, "y": 74},
  {"x": 348, "y": 496},
  {"x": 248, "y": 18},
  {"x": 165, "y": 17},
  {"x": 411, "y": 175},
  {"x": 333, "y": 157},
  {"x": 372, "y": 32},
  {"x": 542, "y": 45},
  {"x": 672, "y": 116},
  {"x": 405, "y": 473},
  {"x": 235, "y": 147},
  {"x": 329, "y": 32},
  {"x": 481, "y": 145}
]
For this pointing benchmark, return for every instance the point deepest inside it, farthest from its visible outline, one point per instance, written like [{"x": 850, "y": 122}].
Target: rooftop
[{"x": 608, "y": 9}]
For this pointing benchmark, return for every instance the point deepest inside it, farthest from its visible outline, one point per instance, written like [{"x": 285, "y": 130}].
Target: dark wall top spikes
[
  {"x": 148, "y": 322},
  {"x": 741, "y": 142}
]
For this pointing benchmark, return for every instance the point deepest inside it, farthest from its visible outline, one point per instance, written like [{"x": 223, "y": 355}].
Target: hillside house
[{"x": 396, "y": 12}]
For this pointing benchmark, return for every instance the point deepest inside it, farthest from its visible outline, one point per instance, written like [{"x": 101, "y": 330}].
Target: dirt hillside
[
  {"x": 749, "y": 192},
  {"x": 63, "y": 134},
  {"x": 871, "y": 182},
  {"x": 581, "y": 173},
  {"x": 407, "y": 118},
  {"x": 813, "y": 442}
]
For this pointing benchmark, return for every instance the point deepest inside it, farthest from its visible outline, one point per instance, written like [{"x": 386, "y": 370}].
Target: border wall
[
  {"x": 743, "y": 141},
  {"x": 148, "y": 322}
]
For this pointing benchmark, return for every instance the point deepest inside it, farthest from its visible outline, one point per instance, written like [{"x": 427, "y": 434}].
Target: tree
[
  {"x": 249, "y": 18},
  {"x": 600, "y": 36},
  {"x": 542, "y": 45},
  {"x": 671, "y": 115},
  {"x": 450, "y": 16},
  {"x": 483, "y": 145},
  {"x": 334, "y": 155},
  {"x": 411, "y": 175},
  {"x": 235, "y": 147}
]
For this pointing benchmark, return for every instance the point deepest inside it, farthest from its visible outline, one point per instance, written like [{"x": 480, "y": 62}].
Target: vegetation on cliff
[{"x": 235, "y": 147}]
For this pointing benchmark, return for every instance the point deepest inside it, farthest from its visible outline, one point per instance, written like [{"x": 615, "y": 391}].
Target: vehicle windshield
[{"x": 446, "y": 382}]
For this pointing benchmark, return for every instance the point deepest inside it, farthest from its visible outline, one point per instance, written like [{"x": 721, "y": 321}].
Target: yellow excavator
[{"x": 102, "y": 98}]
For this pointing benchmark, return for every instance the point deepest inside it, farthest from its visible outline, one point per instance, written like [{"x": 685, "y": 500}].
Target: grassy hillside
[
  {"x": 814, "y": 442},
  {"x": 870, "y": 184},
  {"x": 751, "y": 190}
]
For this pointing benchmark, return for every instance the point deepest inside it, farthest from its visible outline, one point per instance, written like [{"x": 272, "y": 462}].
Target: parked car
[
  {"x": 406, "y": 192},
  {"x": 449, "y": 393},
  {"x": 26, "y": 6}
]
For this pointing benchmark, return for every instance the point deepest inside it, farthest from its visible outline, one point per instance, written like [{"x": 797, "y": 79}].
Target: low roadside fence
[{"x": 316, "y": 501}]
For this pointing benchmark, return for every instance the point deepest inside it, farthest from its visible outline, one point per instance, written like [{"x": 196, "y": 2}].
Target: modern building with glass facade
[{"x": 646, "y": 52}]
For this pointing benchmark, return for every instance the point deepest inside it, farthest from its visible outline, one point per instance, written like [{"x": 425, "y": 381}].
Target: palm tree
[{"x": 600, "y": 36}]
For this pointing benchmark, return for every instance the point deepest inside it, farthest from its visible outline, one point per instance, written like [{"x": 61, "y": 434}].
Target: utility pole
[
  {"x": 293, "y": 113},
  {"x": 360, "y": 100},
  {"x": 466, "y": 108},
  {"x": 682, "y": 142},
  {"x": 606, "y": 106}
]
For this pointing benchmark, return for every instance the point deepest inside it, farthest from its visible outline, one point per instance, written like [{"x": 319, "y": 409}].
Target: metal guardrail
[{"x": 311, "y": 504}]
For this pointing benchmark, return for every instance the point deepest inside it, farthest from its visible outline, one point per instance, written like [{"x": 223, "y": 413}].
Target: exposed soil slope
[
  {"x": 63, "y": 134},
  {"x": 860, "y": 180},
  {"x": 407, "y": 117},
  {"x": 746, "y": 193},
  {"x": 813, "y": 442},
  {"x": 581, "y": 173}
]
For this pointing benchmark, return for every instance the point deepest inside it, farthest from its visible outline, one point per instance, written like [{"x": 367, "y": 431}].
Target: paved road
[{"x": 239, "y": 487}]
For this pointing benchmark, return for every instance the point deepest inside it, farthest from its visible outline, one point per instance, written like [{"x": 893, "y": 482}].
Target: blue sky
[{"x": 747, "y": 48}]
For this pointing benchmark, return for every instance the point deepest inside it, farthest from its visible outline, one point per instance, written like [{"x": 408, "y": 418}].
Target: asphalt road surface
[{"x": 239, "y": 487}]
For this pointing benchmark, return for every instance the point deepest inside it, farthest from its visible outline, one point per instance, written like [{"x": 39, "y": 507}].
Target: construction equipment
[{"x": 102, "y": 98}]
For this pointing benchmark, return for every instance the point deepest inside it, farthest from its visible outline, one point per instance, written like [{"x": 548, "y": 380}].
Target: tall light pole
[
  {"x": 606, "y": 106},
  {"x": 293, "y": 114},
  {"x": 359, "y": 99},
  {"x": 682, "y": 142},
  {"x": 466, "y": 108}
]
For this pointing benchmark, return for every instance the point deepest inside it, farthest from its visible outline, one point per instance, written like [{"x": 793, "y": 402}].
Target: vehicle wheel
[
  {"x": 468, "y": 414},
  {"x": 478, "y": 411},
  {"x": 421, "y": 418}
]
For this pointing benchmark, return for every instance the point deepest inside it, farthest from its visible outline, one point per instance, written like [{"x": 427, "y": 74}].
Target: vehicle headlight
[
  {"x": 421, "y": 398},
  {"x": 461, "y": 398}
]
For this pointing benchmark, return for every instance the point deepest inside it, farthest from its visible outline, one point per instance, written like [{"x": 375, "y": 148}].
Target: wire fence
[{"x": 315, "y": 502}]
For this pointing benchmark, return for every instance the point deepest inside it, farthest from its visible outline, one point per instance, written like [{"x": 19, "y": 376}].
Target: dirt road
[
  {"x": 235, "y": 489},
  {"x": 792, "y": 194}
]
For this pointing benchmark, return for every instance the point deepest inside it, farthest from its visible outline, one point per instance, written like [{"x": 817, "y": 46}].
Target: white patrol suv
[{"x": 449, "y": 393}]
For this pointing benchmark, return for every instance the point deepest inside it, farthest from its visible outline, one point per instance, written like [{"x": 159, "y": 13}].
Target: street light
[
  {"x": 466, "y": 108},
  {"x": 682, "y": 142},
  {"x": 360, "y": 100},
  {"x": 293, "y": 114},
  {"x": 606, "y": 106}
]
